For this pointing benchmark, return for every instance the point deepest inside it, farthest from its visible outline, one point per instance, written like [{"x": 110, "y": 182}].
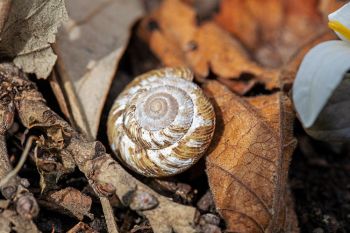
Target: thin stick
[
  {"x": 109, "y": 216},
  {"x": 76, "y": 109},
  {"x": 21, "y": 162},
  {"x": 105, "y": 175}
]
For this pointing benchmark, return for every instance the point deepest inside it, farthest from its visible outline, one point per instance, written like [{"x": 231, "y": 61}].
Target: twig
[
  {"x": 79, "y": 117},
  {"x": 104, "y": 174},
  {"x": 13, "y": 188},
  {"x": 5, "y": 165},
  {"x": 109, "y": 216},
  {"x": 21, "y": 162}
]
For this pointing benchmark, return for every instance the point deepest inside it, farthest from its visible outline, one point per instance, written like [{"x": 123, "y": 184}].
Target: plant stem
[{"x": 21, "y": 162}]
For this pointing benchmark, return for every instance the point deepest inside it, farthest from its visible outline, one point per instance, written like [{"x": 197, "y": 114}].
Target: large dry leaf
[
  {"x": 247, "y": 167},
  {"x": 273, "y": 30},
  {"x": 28, "y": 33},
  {"x": 89, "y": 48},
  {"x": 179, "y": 41}
]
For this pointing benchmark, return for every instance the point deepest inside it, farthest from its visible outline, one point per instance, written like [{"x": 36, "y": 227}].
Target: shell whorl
[{"x": 162, "y": 123}]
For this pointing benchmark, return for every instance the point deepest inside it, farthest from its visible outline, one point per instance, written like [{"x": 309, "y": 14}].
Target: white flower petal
[
  {"x": 342, "y": 16},
  {"x": 321, "y": 71},
  {"x": 333, "y": 123}
]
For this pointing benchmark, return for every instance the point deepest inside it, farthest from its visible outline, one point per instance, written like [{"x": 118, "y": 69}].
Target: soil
[{"x": 320, "y": 182}]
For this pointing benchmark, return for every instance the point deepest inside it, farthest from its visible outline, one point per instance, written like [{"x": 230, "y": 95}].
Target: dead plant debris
[{"x": 56, "y": 170}]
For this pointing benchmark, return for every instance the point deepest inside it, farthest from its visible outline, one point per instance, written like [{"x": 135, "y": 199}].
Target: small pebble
[
  {"x": 206, "y": 203},
  {"x": 208, "y": 228},
  {"x": 209, "y": 219}
]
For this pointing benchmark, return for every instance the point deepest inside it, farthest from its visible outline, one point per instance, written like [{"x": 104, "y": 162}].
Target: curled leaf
[{"x": 318, "y": 90}]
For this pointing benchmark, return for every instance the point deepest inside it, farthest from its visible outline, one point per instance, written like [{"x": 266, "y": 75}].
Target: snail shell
[{"x": 162, "y": 123}]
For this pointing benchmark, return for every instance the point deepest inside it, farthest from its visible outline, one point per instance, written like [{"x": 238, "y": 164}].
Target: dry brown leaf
[
  {"x": 247, "y": 19},
  {"x": 219, "y": 51},
  {"x": 238, "y": 86},
  {"x": 178, "y": 41},
  {"x": 328, "y": 6},
  {"x": 247, "y": 167},
  {"x": 28, "y": 33},
  {"x": 69, "y": 201},
  {"x": 89, "y": 48},
  {"x": 272, "y": 29}
]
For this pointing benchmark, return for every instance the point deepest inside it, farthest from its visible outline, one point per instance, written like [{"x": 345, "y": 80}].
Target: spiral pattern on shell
[{"x": 162, "y": 123}]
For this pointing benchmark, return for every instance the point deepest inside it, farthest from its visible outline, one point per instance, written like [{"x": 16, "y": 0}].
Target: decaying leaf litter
[{"x": 241, "y": 185}]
